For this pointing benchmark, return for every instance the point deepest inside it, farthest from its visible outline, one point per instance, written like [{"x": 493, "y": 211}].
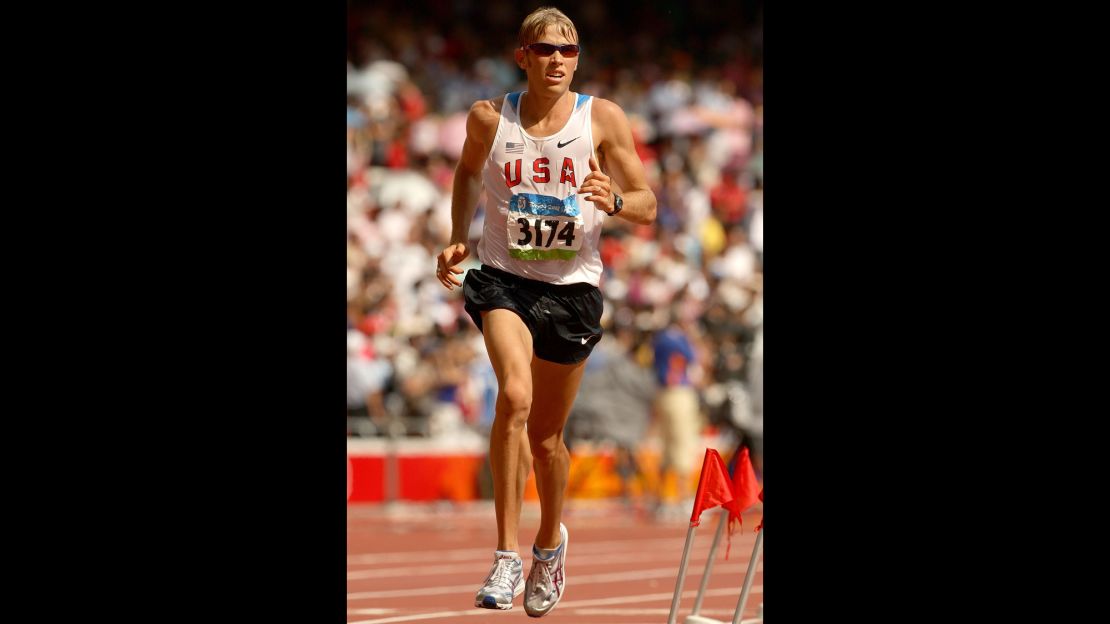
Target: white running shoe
[
  {"x": 546, "y": 579},
  {"x": 505, "y": 582}
]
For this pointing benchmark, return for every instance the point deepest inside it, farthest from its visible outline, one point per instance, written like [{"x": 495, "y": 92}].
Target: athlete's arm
[
  {"x": 481, "y": 126},
  {"x": 618, "y": 155}
]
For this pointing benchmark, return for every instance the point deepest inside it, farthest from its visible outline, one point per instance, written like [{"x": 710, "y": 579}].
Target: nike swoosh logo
[
  {"x": 561, "y": 144},
  {"x": 586, "y": 339}
]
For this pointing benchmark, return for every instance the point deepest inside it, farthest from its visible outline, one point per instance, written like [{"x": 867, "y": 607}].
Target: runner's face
[{"x": 551, "y": 74}]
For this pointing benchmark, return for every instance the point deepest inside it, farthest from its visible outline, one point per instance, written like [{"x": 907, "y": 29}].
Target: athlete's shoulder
[
  {"x": 608, "y": 114},
  {"x": 609, "y": 119},
  {"x": 486, "y": 112},
  {"x": 607, "y": 109}
]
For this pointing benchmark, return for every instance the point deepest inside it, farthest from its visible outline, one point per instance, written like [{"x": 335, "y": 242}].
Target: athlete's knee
[{"x": 516, "y": 400}]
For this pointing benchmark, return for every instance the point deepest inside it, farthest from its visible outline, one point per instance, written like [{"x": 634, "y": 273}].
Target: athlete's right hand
[{"x": 447, "y": 263}]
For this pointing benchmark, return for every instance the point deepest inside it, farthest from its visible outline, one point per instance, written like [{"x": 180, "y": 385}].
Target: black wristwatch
[{"x": 618, "y": 205}]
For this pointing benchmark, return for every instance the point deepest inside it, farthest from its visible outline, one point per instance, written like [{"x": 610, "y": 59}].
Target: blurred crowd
[{"x": 689, "y": 77}]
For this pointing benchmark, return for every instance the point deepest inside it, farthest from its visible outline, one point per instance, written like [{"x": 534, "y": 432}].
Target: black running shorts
[{"x": 564, "y": 319}]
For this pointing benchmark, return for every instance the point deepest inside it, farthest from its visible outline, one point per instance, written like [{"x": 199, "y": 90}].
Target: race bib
[{"x": 541, "y": 227}]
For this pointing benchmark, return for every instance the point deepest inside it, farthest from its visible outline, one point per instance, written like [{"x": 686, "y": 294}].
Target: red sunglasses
[{"x": 569, "y": 50}]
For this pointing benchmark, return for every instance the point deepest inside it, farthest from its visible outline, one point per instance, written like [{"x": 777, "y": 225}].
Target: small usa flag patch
[{"x": 514, "y": 148}]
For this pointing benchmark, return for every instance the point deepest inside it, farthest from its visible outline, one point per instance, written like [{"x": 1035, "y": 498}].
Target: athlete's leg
[
  {"x": 555, "y": 386},
  {"x": 554, "y": 389},
  {"x": 510, "y": 350}
]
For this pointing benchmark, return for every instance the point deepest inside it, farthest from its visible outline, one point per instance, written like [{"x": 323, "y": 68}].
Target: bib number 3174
[{"x": 544, "y": 232}]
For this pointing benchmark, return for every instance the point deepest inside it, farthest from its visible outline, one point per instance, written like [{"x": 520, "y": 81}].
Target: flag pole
[
  {"x": 681, "y": 573},
  {"x": 709, "y": 562},
  {"x": 749, "y": 577},
  {"x": 719, "y": 479}
]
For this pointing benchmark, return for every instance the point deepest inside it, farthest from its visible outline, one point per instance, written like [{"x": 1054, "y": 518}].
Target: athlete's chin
[
  {"x": 554, "y": 90},
  {"x": 549, "y": 85}
]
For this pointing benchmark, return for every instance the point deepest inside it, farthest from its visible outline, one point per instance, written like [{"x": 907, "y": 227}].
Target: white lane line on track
[
  {"x": 664, "y": 611},
  {"x": 612, "y": 577},
  {"x": 598, "y": 547},
  {"x": 570, "y": 604},
  {"x": 653, "y": 555}
]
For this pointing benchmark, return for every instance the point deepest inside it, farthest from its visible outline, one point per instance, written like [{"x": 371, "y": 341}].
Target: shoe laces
[
  {"x": 503, "y": 573},
  {"x": 545, "y": 584}
]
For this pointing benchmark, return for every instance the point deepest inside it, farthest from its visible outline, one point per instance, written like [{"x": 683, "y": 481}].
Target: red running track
[{"x": 425, "y": 563}]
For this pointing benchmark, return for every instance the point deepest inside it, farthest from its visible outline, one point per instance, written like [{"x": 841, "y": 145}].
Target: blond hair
[{"x": 537, "y": 22}]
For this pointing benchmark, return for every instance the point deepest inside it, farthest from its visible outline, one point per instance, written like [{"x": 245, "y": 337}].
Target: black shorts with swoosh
[{"x": 564, "y": 319}]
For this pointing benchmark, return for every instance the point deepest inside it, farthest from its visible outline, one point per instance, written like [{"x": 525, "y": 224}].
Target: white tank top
[{"x": 536, "y": 225}]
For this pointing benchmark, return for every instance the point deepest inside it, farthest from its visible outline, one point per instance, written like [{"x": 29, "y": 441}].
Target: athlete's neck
[{"x": 535, "y": 107}]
